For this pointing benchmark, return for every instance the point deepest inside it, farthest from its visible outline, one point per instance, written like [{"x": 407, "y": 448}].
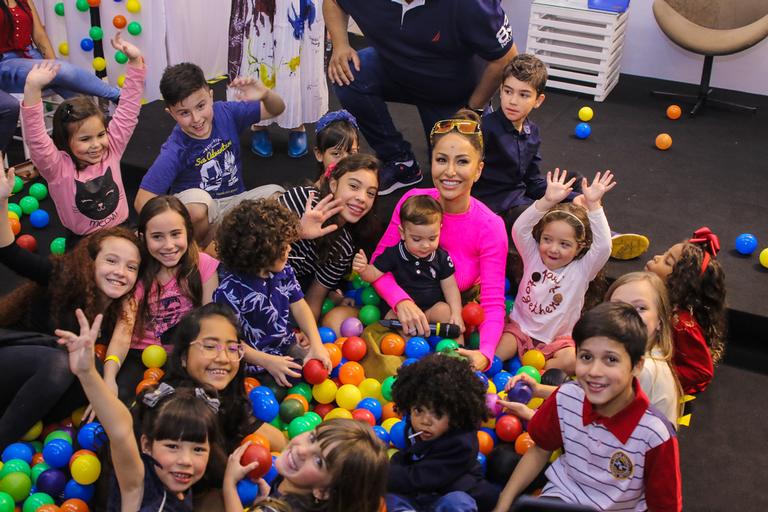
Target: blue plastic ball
[
  {"x": 397, "y": 435},
  {"x": 91, "y": 436},
  {"x": 409, "y": 361},
  {"x": 272, "y": 473},
  {"x": 382, "y": 433},
  {"x": 583, "y": 130},
  {"x": 491, "y": 432},
  {"x": 86, "y": 44},
  {"x": 372, "y": 405},
  {"x": 39, "y": 218},
  {"x": 481, "y": 459},
  {"x": 483, "y": 378},
  {"x": 327, "y": 335},
  {"x": 746, "y": 243},
  {"x": 266, "y": 409},
  {"x": 18, "y": 451},
  {"x": 496, "y": 366},
  {"x": 57, "y": 453},
  {"x": 247, "y": 491},
  {"x": 260, "y": 392},
  {"x": 74, "y": 489},
  {"x": 433, "y": 341},
  {"x": 507, "y": 285},
  {"x": 513, "y": 365},
  {"x": 500, "y": 379},
  {"x": 416, "y": 347}
]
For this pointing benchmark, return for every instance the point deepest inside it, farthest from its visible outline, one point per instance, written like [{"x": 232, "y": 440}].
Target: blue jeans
[
  {"x": 456, "y": 501},
  {"x": 366, "y": 99},
  {"x": 9, "y": 117},
  {"x": 70, "y": 80}
]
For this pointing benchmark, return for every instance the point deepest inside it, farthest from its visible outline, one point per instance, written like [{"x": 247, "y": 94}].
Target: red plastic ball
[
  {"x": 472, "y": 314},
  {"x": 323, "y": 409},
  {"x": 315, "y": 372},
  {"x": 27, "y": 242},
  {"x": 354, "y": 348},
  {"x": 365, "y": 416},
  {"x": 351, "y": 373},
  {"x": 260, "y": 454},
  {"x": 508, "y": 428}
]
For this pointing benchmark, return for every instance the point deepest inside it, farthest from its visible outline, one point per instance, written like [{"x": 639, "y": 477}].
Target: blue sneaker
[
  {"x": 261, "y": 144},
  {"x": 397, "y": 175},
  {"x": 297, "y": 144}
]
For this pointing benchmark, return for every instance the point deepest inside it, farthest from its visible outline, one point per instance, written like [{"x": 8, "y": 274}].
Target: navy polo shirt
[
  {"x": 428, "y": 49},
  {"x": 419, "y": 277}
]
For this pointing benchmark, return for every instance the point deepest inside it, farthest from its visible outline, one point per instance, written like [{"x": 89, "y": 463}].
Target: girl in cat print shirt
[{"x": 82, "y": 161}]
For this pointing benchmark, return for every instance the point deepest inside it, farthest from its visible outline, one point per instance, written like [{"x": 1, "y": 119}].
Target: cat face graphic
[{"x": 97, "y": 198}]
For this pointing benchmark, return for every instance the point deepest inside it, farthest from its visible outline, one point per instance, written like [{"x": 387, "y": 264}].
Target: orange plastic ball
[
  {"x": 334, "y": 352},
  {"x": 37, "y": 459},
  {"x": 48, "y": 508},
  {"x": 94, "y": 3},
  {"x": 486, "y": 442},
  {"x": 74, "y": 505},
  {"x": 255, "y": 438},
  {"x": 351, "y": 373},
  {"x": 388, "y": 411},
  {"x": 300, "y": 398},
  {"x": 154, "y": 373},
  {"x": 101, "y": 351},
  {"x": 663, "y": 141},
  {"x": 119, "y": 21},
  {"x": 392, "y": 344},
  {"x": 15, "y": 225},
  {"x": 77, "y": 454},
  {"x": 523, "y": 442},
  {"x": 674, "y": 112},
  {"x": 144, "y": 384},
  {"x": 249, "y": 383}
]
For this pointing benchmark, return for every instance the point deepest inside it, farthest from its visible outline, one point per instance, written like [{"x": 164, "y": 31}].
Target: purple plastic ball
[
  {"x": 351, "y": 327},
  {"x": 51, "y": 482},
  {"x": 521, "y": 392}
]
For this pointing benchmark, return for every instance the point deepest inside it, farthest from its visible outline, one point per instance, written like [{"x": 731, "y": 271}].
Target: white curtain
[{"x": 197, "y": 31}]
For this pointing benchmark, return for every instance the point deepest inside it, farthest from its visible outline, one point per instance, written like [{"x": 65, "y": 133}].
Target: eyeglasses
[
  {"x": 211, "y": 349},
  {"x": 463, "y": 126}
]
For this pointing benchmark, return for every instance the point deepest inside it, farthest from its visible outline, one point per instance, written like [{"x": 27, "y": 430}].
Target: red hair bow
[
  {"x": 709, "y": 242},
  {"x": 329, "y": 171}
]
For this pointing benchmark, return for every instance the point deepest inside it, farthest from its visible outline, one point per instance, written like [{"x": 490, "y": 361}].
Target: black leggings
[{"x": 35, "y": 383}]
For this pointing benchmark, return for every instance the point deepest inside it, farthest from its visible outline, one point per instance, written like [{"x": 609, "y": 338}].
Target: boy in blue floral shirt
[{"x": 258, "y": 284}]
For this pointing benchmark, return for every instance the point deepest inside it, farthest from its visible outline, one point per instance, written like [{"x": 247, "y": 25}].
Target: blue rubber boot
[
  {"x": 297, "y": 144},
  {"x": 261, "y": 144}
]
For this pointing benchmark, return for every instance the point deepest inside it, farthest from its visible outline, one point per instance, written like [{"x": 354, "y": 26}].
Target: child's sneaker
[
  {"x": 261, "y": 144},
  {"x": 297, "y": 144},
  {"x": 628, "y": 246},
  {"x": 396, "y": 175}
]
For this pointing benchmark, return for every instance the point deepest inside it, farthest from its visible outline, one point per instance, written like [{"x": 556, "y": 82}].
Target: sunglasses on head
[{"x": 463, "y": 126}]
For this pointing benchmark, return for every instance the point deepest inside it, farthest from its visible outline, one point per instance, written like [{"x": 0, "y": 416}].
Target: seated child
[
  {"x": 696, "y": 285},
  {"x": 336, "y": 137},
  {"x": 200, "y": 162},
  {"x": 444, "y": 403},
  {"x": 259, "y": 285},
  {"x": 618, "y": 450},
  {"x": 418, "y": 264},
  {"x": 563, "y": 248}
]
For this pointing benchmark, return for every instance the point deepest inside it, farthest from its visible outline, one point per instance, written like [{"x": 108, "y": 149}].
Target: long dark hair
[
  {"x": 8, "y": 16},
  {"x": 187, "y": 270}
]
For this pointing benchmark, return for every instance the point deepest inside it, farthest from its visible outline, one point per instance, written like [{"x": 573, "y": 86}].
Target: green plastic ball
[
  {"x": 445, "y": 346},
  {"x": 290, "y": 410},
  {"x": 18, "y": 184},
  {"x": 15, "y": 208},
  {"x": 369, "y": 297},
  {"x": 357, "y": 282},
  {"x": 327, "y": 306},
  {"x": 6, "y": 502},
  {"x": 36, "y": 501},
  {"x": 369, "y": 315},
  {"x": 313, "y": 418},
  {"x": 473, "y": 342},
  {"x": 299, "y": 426},
  {"x": 58, "y": 245},
  {"x": 29, "y": 204},
  {"x": 509, "y": 304},
  {"x": 134, "y": 28},
  {"x": 120, "y": 57},
  {"x": 530, "y": 370},
  {"x": 38, "y": 191},
  {"x": 278, "y": 423},
  {"x": 303, "y": 389},
  {"x": 37, "y": 469},
  {"x": 17, "y": 485},
  {"x": 58, "y": 434},
  {"x": 59, "y": 9},
  {"x": 455, "y": 355},
  {"x": 386, "y": 387},
  {"x": 96, "y": 33},
  {"x": 82, "y": 5},
  {"x": 37, "y": 446},
  {"x": 15, "y": 466}
]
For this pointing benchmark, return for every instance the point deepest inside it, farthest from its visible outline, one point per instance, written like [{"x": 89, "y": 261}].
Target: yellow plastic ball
[
  {"x": 338, "y": 413},
  {"x": 325, "y": 392},
  {"x": 77, "y": 416},
  {"x": 555, "y": 455},
  {"x": 120, "y": 81},
  {"x": 491, "y": 388},
  {"x": 391, "y": 452},
  {"x": 64, "y": 49},
  {"x": 154, "y": 356},
  {"x": 133, "y": 6},
  {"x": 34, "y": 432},
  {"x": 534, "y": 358},
  {"x": 13, "y": 215},
  {"x": 85, "y": 469},
  {"x": 764, "y": 257},
  {"x": 535, "y": 403},
  {"x": 586, "y": 114},
  {"x": 490, "y": 423},
  {"x": 388, "y": 423},
  {"x": 99, "y": 64},
  {"x": 348, "y": 396},
  {"x": 371, "y": 388}
]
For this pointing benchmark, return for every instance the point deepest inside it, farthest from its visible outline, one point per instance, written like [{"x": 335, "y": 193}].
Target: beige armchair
[{"x": 710, "y": 28}]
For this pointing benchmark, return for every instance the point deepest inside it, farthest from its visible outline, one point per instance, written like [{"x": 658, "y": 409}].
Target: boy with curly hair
[
  {"x": 443, "y": 403},
  {"x": 258, "y": 284}
]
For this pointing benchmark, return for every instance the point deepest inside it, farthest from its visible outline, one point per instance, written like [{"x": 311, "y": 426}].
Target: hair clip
[
  {"x": 152, "y": 398},
  {"x": 329, "y": 171},
  {"x": 332, "y": 117},
  {"x": 709, "y": 243},
  {"x": 67, "y": 112},
  {"x": 213, "y": 403}
]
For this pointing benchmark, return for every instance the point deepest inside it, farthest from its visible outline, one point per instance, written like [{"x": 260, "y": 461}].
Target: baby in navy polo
[
  {"x": 421, "y": 268},
  {"x": 619, "y": 452}
]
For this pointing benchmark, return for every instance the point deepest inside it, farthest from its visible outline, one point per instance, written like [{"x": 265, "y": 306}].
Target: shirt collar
[
  {"x": 508, "y": 126},
  {"x": 407, "y": 256},
  {"x": 623, "y": 423},
  {"x": 407, "y": 6}
]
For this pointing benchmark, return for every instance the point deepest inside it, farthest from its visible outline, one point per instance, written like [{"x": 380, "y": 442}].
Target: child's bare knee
[{"x": 440, "y": 312}]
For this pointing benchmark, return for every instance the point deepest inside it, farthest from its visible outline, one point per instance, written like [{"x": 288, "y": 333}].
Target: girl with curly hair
[
  {"x": 254, "y": 244},
  {"x": 443, "y": 403},
  {"x": 696, "y": 284},
  {"x": 97, "y": 277}
]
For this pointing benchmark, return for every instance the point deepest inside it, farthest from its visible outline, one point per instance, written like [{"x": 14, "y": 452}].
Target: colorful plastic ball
[
  {"x": 154, "y": 356},
  {"x": 256, "y": 438},
  {"x": 351, "y": 372},
  {"x": 119, "y": 21},
  {"x": 96, "y": 33},
  {"x": 51, "y": 481},
  {"x": 582, "y": 130},
  {"x": 29, "y": 204},
  {"x": 86, "y": 44},
  {"x": 50, "y": 507},
  {"x": 78, "y": 491},
  {"x": 326, "y": 334},
  {"x": 486, "y": 442},
  {"x": 121, "y": 81},
  {"x": 372, "y": 405},
  {"x": 15, "y": 466},
  {"x": 509, "y": 304},
  {"x": 382, "y": 434},
  {"x": 327, "y": 305},
  {"x": 291, "y": 409},
  {"x": 338, "y": 412},
  {"x": 351, "y": 327},
  {"x": 388, "y": 411},
  {"x": 508, "y": 428},
  {"x": 354, "y": 348},
  {"x": 27, "y": 242},
  {"x": 82, "y": 5},
  {"x": 134, "y": 28},
  {"x": 496, "y": 367},
  {"x": 15, "y": 208},
  {"x": 57, "y": 453},
  {"x": 674, "y": 112},
  {"x": 416, "y": 347},
  {"x": 15, "y": 225},
  {"x": 94, "y": 3},
  {"x": 257, "y": 453},
  {"x": 38, "y": 191},
  {"x": 58, "y": 434},
  {"x": 59, "y": 8},
  {"x": 473, "y": 341},
  {"x": 6, "y": 502},
  {"x": 99, "y": 64},
  {"x": 392, "y": 344},
  {"x": 266, "y": 408},
  {"x": 325, "y": 392},
  {"x": 446, "y": 345},
  {"x": 18, "y": 184},
  {"x": 58, "y": 245},
  {"x": 472, "y": 314},
  {"x": 298, "y": 426},
  {"x": 764, "y": 257},
  {"x": 523, "y": 442},
  {"x": 37, "y": 470},
  {"x": 74, "y": 505},
  {"x": 370, "y": 388},
  {"x": 386, "y": 387},
  {"x": 64, "y": 48},
  {"x": 534, "y": 358},
  {"x": 35, "y": 501},
  {"x": 397, "y": 435},
  {"x": 369, "y": 297},
  {"x": 133, "y": 6},
  {"x": 18, "y": 451},
  {"x": 500, "y": 379},
  {"x": 247, "y": 491},
  {"x": 17, "y": 485},
  {"x": 314, "y": 371},
  {"x": 369, "y": 314},
  {"x": 746, "y": 243},
  {"x": 663, "y": 141},
  {"x": 120, "y": 57},
  {"x": 492, "y": 403},
  {"x": 531, "y": 371},
  {"x": 409, "y": 361},
  {"x": 365, "y": 416},
  {"x": 521, "y": 392},
  {"x": 348, "y": 396},
  {"x": 334, "y": 352},
  {"x": 535, "y": 403},
  {"x": 586, "y": 114},
  {"x": 39, "y": 218}
]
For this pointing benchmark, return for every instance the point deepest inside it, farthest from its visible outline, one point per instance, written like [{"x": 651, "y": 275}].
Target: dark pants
[
  {"x": 366, "y": 99},
  {"x": 9, "y": 117}
]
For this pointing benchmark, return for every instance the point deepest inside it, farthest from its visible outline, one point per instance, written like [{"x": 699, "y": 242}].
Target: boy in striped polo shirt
[{"x": 619, "y": 453}]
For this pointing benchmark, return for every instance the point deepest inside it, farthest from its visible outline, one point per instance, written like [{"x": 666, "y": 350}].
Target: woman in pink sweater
[
  {"x": 82, "y": 161},
  {"x": 472, "y": 234}
]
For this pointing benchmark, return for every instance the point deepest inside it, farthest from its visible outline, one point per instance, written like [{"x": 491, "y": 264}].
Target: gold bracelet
[{"x": 115, "y": 359}]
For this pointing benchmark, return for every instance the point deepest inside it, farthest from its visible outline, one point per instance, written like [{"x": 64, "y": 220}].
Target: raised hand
[
  {"x": 42, "y": 74},
  {"x": 249, "y": 88},
  {"x": 595, "y": 191},
  {"x": 359, "y": 262},
  {"x": 7, "y": 181},
  {"x": 311, "y": 223},
  {"x": 558, "y": 187},
  {"x": 130, "y": 50},
  {"x": 80, "y": 346}
]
